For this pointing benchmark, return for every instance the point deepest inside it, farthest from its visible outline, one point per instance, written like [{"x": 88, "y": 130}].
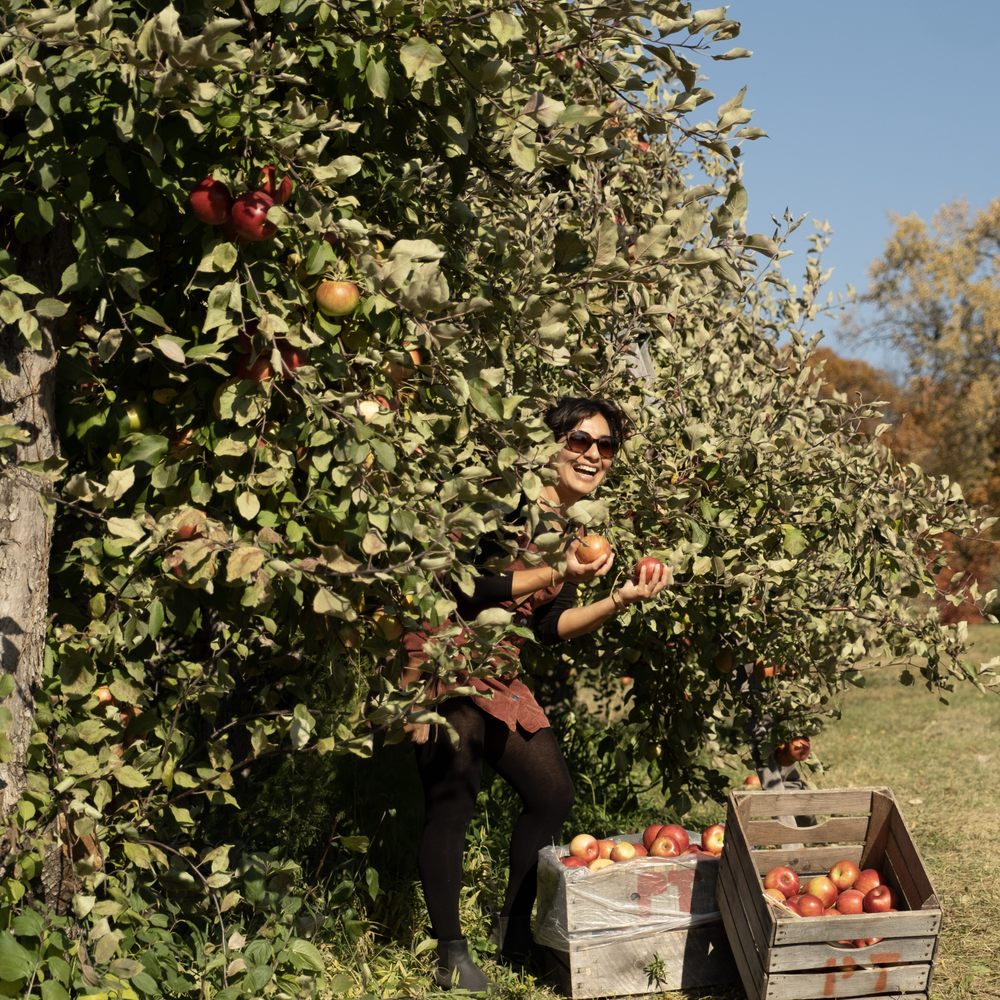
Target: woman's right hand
[
  {"x": 417, "y": 732},
  {"x": 581, "y": 572}
]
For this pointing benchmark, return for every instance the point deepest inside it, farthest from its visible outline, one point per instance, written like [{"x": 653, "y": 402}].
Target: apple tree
[{"x": 312, "y": 273}]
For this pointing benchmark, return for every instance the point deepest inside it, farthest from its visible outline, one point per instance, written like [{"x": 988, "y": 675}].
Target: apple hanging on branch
[
  {"x": 337, "y": 298},
  {"x": 248, "y": 217},
  {"x": 211, "y": 201},
  {"x": 269, "y": 185}
]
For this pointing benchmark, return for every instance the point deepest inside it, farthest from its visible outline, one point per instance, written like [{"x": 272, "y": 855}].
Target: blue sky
[{"x": 871, "y": 107}]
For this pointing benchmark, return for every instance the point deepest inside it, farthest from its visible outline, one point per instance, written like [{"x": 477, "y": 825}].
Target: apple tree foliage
[{"x": 535, "y": 199}]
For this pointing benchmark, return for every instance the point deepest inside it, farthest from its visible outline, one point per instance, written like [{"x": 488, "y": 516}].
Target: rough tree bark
[
  {"x": 26, "y": 400},
  {"x": 25, "y": 537}
]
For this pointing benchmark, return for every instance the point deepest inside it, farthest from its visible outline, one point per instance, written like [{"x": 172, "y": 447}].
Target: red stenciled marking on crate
[
  {"x": 847, "y": 967},
  {"x": 650, "y": 884}
]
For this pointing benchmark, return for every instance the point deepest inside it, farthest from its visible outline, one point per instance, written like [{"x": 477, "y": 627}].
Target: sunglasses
[{"x": 579, "y": 442}]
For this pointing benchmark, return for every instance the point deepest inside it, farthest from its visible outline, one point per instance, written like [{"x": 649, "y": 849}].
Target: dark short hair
[{"x": 567, "y": 411}]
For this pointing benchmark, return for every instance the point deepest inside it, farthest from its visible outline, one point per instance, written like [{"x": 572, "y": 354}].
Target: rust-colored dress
[{"x": 507, "y": 697}]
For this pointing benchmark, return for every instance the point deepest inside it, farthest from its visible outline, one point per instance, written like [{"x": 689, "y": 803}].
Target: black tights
[{"x": 531, "y": 763}]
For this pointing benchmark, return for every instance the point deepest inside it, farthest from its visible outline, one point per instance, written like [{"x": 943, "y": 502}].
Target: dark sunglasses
[{"x": 579, "y": 443}]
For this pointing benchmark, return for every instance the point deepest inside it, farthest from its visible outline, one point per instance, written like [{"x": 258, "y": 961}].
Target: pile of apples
[
  {"x": 845, "y": 889},
  {"x": 659, "y": 840}
]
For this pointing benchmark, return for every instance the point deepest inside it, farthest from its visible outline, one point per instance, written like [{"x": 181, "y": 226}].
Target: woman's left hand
[{"x": 649, "y": 584}]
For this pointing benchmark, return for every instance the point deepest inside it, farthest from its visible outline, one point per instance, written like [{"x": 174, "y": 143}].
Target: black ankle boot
[{"x": 456, "y": 970}]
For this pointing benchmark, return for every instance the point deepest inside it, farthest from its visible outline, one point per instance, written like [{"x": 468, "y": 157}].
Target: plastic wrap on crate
[{"x": 633, "y": 898}]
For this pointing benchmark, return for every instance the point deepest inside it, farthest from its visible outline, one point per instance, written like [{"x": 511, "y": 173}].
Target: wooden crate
[
  {"x": 648, "y": 960},
  {"x": 644, "y": 926},
  {"x": 781, "y": 956}
]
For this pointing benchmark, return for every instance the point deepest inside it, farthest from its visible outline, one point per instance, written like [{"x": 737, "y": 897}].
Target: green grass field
[{"x": 942, "y": 761}]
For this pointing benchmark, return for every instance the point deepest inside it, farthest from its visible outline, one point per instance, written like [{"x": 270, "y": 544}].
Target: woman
[{"x": 508, "y": 729}]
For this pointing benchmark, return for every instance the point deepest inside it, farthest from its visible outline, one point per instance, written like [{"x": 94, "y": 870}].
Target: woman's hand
[
  {"x": 417, "y": 732},
  {"x": 581, "y": 572},
  {"x": 651, "y": 581}
]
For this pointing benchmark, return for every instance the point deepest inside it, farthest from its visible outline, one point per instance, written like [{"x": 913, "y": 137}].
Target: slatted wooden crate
[
  {"x": 644, "y": 926},
  {"x": 781, "y": 956}
]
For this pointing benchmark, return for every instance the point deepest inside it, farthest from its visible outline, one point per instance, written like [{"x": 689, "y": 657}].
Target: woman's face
[{"x": 582, "y": 473}]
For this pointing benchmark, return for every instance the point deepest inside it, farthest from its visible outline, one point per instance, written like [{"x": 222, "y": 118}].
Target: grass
[{"x": 942, "y": 762}]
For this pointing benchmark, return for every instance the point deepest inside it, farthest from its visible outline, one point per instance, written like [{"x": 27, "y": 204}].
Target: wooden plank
[
  {"x": 755, "y": 932},
  {"x": 627, "y": 964},
  {"x": 907, "y": 923},
  {"x": 894, "y": 951},
  {"x": 805, "y": 860},
  {"x": 878, "y": 829},
  {"x": 745, "y": 875},
  {"x": 848, "y": 979},
  {"x": 746, "y": 952},
  {"x": 826, "y": 802},
  {"x": 919, "y": 892},
  {"x": 836, "y": 830}
]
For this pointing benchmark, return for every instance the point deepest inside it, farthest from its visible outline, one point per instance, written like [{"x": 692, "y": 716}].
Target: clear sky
[{"x": 872, "y": 107}]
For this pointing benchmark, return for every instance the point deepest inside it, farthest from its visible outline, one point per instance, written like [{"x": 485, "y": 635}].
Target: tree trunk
[{"x": 26, "y": 400}]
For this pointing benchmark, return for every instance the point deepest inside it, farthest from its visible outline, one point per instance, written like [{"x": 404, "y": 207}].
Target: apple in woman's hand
[
  {"x": 650, "y": 564},
  {"x": 592, "y": 549}
]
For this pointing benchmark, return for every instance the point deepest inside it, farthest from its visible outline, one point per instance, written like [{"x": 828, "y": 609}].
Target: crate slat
[
  {"x": 828, "y": 802},
  {"x": 849, "y": 980},
  {"x": 807, "y": 860},
  {"x": 911, "y": 874},
  {"x": 906, "y": 923},
  {"x": 737, "y": 923},
  {"x": 887, "y": 951},
  {"x": 836, "y": 830},
  {"x": 878, "y": 830}
]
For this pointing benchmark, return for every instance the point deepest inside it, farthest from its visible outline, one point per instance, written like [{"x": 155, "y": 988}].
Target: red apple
[
  {"x": 867, "y": 880},
  {"x": 258, "y": 370},
  {"x": 604, "y": 847},
  {"x": 584, "y": 846},
  {"x": 622, "y": 851},
  {"x": 751, "y": 781},
  {"x": 664, "y": 847},
  {"x": 843, "y": 874},
  {"x": 337, "y": 298},
  {"x": 809, "y": 906},
  {"x": 865, "y": 942},
  {"x": 823, "y": 889},
  {"x": 640, "y": 850},
  {"x": 572, "y": 862},
  {"x": 850, "y": 901},
  {"x": 651, "y": 833},
  {"x": 592, "y": 548},
  {"x": 249, "y": 217},
  {"x": 211, "y": 201},
  {"x": 713, "y": 838},
  {"x": 269, "y": 185},
  {"x": 792, "y": 902},
  {"x": 679, "y": 834},
  {"x": 292, "y": 358},
  {"x": 881, "y": 899},
  {"x": 782, "y": 878},
  {"x": 648, "y": 563},
  {"x": 792, "y": 752}
]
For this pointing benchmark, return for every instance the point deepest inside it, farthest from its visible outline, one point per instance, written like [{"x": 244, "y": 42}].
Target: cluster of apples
[
  {"x": 659, "y": 840},
  {"x": 243, "y": 218},
  {"x": 845, "y": 889}
]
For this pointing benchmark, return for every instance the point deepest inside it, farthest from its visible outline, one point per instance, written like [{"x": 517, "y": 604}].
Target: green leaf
[
  {"x": 51, "y": 308},
  {"x": 307, "y": 955},
  {"x": 328, "y": 603},
  {"x": 505, "y": 27},
  {"x": 137, "y": 853},
  {"x": 793, "y": 540},
  {"x": 129, "y": 777},
  {"x": 338, "y": 170},
  {"x": 420, "y": 58},
  {"x": 127, "y": 528},
  {"x": 248, "y": 505},
  {"x": 522, "y": 153},
  {"x": 16, "y": 962},
  {"x": 149, "y": 450},
  {"x": 244, "y": 561},
  {"x": 377, "y": 78}
]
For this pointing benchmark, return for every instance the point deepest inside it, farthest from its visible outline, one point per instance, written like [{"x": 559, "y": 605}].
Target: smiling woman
[{"x": 504, "y": 725}]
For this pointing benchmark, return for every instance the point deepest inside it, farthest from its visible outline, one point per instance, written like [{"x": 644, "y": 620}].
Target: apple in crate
[
  {"x": 713, "y": 838},
  {"x": 623, "y": 851},
  {"x": 844, "y": 874},
  {"x": 867, "y": 880},
  {"x": 784, "y": 879},
  {"x": 823, "y": 889},
  {"x": 850, "y": 901},
  {"x": 881, "y": 899},
  {"x": 584, "y": 846}
]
